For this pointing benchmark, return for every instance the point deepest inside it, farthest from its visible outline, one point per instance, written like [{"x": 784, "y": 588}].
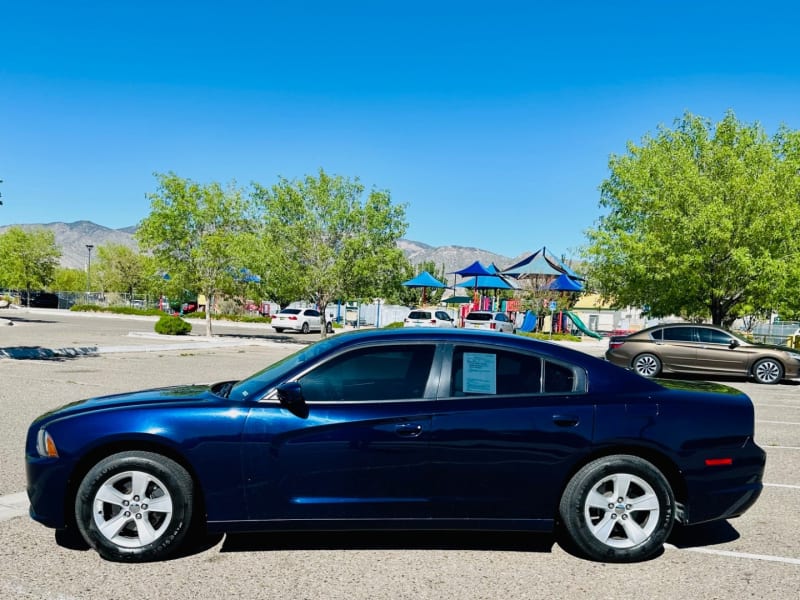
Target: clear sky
[{"x": 492, "y": 121}]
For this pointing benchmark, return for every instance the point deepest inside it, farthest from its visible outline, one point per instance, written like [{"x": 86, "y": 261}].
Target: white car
[
  {"x": 299, "y": 319},
  {"x": 493, "y": 321},
  {"x": 429, "y": 317}
]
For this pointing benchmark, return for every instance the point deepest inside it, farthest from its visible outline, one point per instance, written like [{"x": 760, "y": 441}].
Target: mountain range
[{"x": 73, "y": 238}]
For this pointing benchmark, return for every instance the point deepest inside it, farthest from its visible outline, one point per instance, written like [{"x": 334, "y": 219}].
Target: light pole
[{"x": 89, "y": 271}]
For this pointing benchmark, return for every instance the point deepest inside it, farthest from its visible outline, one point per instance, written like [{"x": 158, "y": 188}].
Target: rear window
[
  {"x": 479, "y": 317},
  {"x": 290, "y": 311},
  {"x": 419, "y": 314},
  {"x": 679, "y": 334}
]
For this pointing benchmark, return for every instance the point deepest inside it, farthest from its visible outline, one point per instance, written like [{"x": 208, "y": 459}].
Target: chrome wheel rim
[
  {"x": 622, "y": 510},
  {"x": 646, "y": 365},
  {"x": 132, "y": 509},
  {"x": 768, "y": 371}
]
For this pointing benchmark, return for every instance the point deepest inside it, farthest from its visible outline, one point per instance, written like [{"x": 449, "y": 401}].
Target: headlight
[
  {"x": 793, "y": 356},
  {"x": 45, "y": 445}
]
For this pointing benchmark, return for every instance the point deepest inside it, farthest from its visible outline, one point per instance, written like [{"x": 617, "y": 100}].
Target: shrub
[{"x": 168, "y": 325}]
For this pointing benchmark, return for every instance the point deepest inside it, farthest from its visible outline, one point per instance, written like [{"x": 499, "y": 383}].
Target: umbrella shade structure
[
  {"x": 486, "y": 282},
  {"x": 424, "y": 280},
  {"x": 564, "y": 283},
  {"x": 476, "y": 269},
  {"x": 458, "y": 300}
]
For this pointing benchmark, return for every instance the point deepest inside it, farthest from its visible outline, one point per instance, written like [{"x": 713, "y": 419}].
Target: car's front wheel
[
  {"x": 768, "y": 370},
  {"x": 304, "y": 328},
  {"x": 647, "y": 365},
  {"x": 618, "y": 509},
  {"x": 135, "y": 506}
]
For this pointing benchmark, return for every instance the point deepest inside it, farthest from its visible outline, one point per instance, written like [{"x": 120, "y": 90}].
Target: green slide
[{"x": 580, "y": 325}]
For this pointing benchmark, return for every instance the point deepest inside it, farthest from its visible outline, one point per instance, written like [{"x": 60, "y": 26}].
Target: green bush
[
  {"x": 230, "y": 317},
  {"x": 168, "y": 325},
  {"x": 556, "y": 336},
  {"x": 118, "y": 310},
  {"x": 395, "y": 325}
]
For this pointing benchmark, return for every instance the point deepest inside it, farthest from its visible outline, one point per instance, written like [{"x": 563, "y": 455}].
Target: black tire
[
  {"x": 328, "y": 327},
  {"x": 119, "y": 521},
  {"x": 637, "y": 518},
  {"x": 278, "y": 329},
  {"x": 647, "y": 365},
  {"x": 768, "y": 371},
  {"x": 304, "y": 328}
]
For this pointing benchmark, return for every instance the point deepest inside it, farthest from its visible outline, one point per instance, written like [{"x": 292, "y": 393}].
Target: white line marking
[
  {"x": 730, "y": 554},
  {"x": 781, "y": 447},
  {"x": 778, "y": 422},
  {"x": 758, "y": 404},
  {"x": 782, "y": 485}
]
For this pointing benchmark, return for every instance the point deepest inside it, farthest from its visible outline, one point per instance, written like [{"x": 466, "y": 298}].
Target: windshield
[{"x": 277, "y": 372}]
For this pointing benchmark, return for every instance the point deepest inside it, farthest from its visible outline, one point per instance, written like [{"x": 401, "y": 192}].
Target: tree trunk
[{"x": 209, "y": 303}]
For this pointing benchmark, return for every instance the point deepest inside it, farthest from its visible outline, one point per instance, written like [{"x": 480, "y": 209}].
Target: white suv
[
  {"x": 485, "y": 319},
  {"x": 429, "y": 317}
]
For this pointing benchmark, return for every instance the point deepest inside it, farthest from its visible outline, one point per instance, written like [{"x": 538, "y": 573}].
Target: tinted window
[
  {"x": 368, "y": 374},
  {"x": 558, "y": 378},
  {"x": 482, "y": 371},
  {"x": 679, "y": 334},
  {"x": 713, "y": 336},
  {"x": 500, "y": 317},
  {"x": 419, "y": 314},
  {"x": 290, "y": 311},
  {"x": 479, "y": 317},
  {"x": 442, "y": 315},
  {"x": 311, "y": 312}
]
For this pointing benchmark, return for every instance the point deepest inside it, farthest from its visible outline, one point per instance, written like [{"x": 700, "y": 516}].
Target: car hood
[{"x": 141, "y": 398}]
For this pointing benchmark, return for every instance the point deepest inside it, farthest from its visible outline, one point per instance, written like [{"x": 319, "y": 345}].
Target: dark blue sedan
[{"x": 401, "y": 429}]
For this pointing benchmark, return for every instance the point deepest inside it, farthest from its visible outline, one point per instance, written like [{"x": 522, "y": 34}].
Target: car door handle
[
  {"x": 409, "y": 430},
  {"x": 566, "y": 420}
]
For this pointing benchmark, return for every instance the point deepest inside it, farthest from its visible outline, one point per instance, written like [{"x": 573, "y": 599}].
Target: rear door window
[{"x": 679, "y": 334}]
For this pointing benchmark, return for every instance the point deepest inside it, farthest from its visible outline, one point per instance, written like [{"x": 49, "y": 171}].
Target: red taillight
[
  {"x": 433, "y": 321},
  {"x": 719, "y": 462},
  {"x": 615, "y": 345},
  {"x": 492, "y": 325},
  {"x": 293, "y": 318}
]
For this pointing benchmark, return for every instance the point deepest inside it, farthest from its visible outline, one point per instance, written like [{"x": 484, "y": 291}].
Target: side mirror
[
  {"x": 734, "y": 344},
  {"x": 290, "y": 395}
]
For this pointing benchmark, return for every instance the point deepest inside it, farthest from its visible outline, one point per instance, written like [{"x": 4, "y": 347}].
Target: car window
[
  {"x": 311, "y": 312},
  {"x": 481, "y": 371},
  {"x": 713, "y": 336},
  {"x": 559, "y": 378},
  {"x": 679, "y": 334},
  {"x": 371, "y": 374},
  {"x": 290, "y": 311},
  {"x": 473, "y": 316},
  {"x": 419, "y": 314},
  {"x": 500, "y": 317},
  {"x": 442, "y": 315}
]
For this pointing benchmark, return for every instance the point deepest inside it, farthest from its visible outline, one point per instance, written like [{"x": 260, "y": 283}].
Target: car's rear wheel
[
  {"x": 304, "y": 328},
  {"x": 618, "y": 509},
  {"x": 278, "y": 329},
  {"x": 647, "y": 365},
  {"x": 328, "y": 327},
  {"x": 135, "y": 506},
  {"x": 768, "y": 370}
]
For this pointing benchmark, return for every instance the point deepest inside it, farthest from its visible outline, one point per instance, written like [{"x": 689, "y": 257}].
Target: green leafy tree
[
  {"x": 193, "y": 231},
  {"x": 120, "y": 268},
  {"x": 322, "y": 240},
  {"x": 28, "y": 259},
  {"x": 69, "y": 280},
  {"x": 701, "y": 221}
]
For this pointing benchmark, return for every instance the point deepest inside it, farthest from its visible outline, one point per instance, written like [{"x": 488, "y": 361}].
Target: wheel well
[
  {"x": 101, "y": 452},
  {"x": 777, "y": 360},
  {"x": 659, "y": 460}
]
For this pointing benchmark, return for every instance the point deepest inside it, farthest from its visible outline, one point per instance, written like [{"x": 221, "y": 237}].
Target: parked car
[
  {"x": 299, "y": 319},
  {"x": 39, "y": 300},
  {"x": 484, "y": 319},
  {"x": 703, "y": 350},
  {"x": 401, "y": 429},
  {"x": 428, "y": 317}
]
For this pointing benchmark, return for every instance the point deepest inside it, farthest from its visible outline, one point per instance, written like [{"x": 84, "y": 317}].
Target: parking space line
[
  {"x": 782, "y": 485},
  {"x": 747, "y": 555},
  {"x": 781, "y": 447},
  {"x": 778, "y": 422}
]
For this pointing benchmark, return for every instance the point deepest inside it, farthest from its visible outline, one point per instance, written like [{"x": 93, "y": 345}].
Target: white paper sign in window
[{"x": 480, "y": 373}]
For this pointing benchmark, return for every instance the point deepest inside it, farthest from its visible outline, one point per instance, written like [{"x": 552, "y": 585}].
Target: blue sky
[{"x": 492, "y": 121}]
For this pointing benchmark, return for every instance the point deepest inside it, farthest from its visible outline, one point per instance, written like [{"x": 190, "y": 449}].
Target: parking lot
[{"x": 757, "y": 555}]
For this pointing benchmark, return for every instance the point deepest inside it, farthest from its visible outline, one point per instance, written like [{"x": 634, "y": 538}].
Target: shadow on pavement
[
  {"x": 381, "y": 540},
  {"x": 40, "y": 353},
  {"x": 24, "y": 319},
  {"x": 705, "y": 534}
]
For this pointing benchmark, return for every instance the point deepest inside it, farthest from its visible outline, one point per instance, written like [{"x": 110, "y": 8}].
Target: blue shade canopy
[
  {"x": 424, "y": 280},
  {"x": 563, "y": 283},
  {"x": 486, "y": 282},
  {"x": 476, "y": 269}
]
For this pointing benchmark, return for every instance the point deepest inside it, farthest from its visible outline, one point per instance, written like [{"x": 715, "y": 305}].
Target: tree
[
  {"x": 28, "y": 259},
  {"x": 122, "y": 269},
  {"x": 69, "y": 280},
  {"x": 193, "y": 231},
  {"x": 322, "y": 241},
  {"x": 702, "y": 220}
]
